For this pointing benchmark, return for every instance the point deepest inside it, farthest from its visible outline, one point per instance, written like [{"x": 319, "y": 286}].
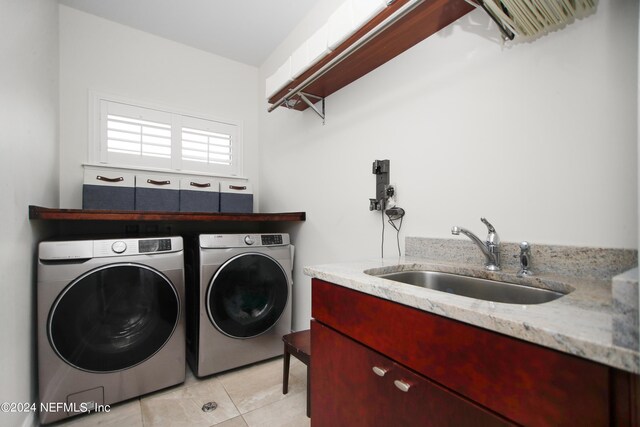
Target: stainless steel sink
[{"x": 488, "y": 290}]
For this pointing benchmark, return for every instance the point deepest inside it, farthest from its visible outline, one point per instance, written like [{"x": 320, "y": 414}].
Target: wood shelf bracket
[
  {"x": 304, "y": 97},
  {"x": 506, "y": 32}
]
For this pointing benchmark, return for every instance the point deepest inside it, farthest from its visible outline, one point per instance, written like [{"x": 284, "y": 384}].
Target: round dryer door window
[
  {"x": 247, "y": 295},
  {"x": 114, "y": 317}
]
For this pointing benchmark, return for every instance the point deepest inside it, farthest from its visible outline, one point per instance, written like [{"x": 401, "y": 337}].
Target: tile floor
[{"x": 246, "y": 397}]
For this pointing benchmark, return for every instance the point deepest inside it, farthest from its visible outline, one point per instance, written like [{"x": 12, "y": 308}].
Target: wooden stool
[{"x": 298, "y": 345}]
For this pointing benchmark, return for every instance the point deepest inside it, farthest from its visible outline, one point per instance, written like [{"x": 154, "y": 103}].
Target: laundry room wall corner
[{"x": 28, "y": 175}]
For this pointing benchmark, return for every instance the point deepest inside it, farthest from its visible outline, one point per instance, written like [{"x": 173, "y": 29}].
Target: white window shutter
[
  {"x": 135, "y": 136},
  {"x": 208, "y": 144}
]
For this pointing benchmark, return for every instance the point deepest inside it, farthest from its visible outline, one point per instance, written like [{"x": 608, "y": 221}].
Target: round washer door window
[
  {"x": 247, "y": 295},
  {"x": 113, "y": 317}
]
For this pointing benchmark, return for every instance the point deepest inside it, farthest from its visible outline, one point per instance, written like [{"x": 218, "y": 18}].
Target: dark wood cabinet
[
  {"x": 468, "y": 371},
  {"x": 363, "y": 388}
]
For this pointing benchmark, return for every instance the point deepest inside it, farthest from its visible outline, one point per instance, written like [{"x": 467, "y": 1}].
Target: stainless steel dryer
[
  {"x": 238, "y": 299},
  {"x": 110, "y": 321}
]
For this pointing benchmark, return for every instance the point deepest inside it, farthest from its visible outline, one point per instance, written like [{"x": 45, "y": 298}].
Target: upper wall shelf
[
  {"x": 38, "y": 212},
  {"x": 398, "y": 27}
]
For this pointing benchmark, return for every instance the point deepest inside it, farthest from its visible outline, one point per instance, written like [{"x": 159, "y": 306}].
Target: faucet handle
[
  {"x": 488, "y": 224},
  {"x": 492, "y": 237}
]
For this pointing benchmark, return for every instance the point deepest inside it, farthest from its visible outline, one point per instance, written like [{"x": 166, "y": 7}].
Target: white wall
[
  {"x": 97, "y": 54},
  {"x": 28, "y": 175},
  {"x": 538, "y": 137}
]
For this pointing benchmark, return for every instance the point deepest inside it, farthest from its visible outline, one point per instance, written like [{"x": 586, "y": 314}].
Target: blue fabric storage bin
[
  {"x": 236, "y": 197},
  {"x": 157, "y": 193},
  {"x": 103, "y": 189},
  {"x": 199, "y": 195}
]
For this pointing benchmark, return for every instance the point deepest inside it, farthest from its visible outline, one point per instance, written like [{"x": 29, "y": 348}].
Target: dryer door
[
  {"x": 113, "y": 317},
  {"x": 247, "y": 295}
]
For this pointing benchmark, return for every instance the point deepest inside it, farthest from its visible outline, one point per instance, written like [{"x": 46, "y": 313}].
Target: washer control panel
[
  {"x": 271, "y": 239},
  {"x": 154, "y": 245},
  {"x": 86, "y": 249}
]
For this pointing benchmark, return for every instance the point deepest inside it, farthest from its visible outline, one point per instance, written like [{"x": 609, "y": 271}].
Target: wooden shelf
[
  {"x": 426, "y": 19},
  {"x": 41, "y": 213}
]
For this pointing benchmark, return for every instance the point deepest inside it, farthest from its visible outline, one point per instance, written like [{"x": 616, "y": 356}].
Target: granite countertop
[{"x": 579, "y": 323}]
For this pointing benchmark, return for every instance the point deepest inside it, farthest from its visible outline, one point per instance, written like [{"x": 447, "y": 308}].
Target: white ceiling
[{"x": 242, "y": 30}]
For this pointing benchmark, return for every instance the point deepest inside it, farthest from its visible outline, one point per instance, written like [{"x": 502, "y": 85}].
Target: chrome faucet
[{"x": 490, "y": 248}]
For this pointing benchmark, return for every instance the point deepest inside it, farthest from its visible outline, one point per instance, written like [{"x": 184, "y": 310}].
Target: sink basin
[{"x": 488, "y": 290}]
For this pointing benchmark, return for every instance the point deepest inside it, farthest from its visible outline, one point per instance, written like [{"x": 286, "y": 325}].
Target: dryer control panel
[{"x": 243, "y": 240}]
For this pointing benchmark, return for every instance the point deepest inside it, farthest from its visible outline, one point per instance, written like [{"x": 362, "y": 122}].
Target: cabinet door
[
  {"x": 353, "y": 385},
  {"x": 344, "y": 389},
  {"x": 523, "y": 382}
]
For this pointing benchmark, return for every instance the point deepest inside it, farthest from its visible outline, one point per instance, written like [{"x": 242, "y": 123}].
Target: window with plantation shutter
[
  {"x": 136, "y": 136},
  {"x": 208, "y": 144},
  {"x": 206, "y": 147}
]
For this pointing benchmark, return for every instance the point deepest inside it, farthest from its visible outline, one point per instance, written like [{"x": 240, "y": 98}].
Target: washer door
[
  {"x": 247, "y": 295},
  {"x": 113, "y": 317}
]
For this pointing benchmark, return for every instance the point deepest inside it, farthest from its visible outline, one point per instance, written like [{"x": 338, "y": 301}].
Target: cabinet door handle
[
  {"x": 104, "y": 178},
  {"x": 403, "y": 386},
  {"x": 154, "y": 182},
  {"x": 197, "y": 184},
  {"x": 379, "y": 371}
]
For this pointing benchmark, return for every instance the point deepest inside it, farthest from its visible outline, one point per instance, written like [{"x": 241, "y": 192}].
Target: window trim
[
  {"x": 172, "y": 172},
  {"x": 96, "y": 153}
]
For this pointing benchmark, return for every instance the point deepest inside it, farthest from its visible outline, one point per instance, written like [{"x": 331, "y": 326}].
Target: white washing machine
[
  {"x": 110, "y": 321},
  {"x": 238, "y": 299}
]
